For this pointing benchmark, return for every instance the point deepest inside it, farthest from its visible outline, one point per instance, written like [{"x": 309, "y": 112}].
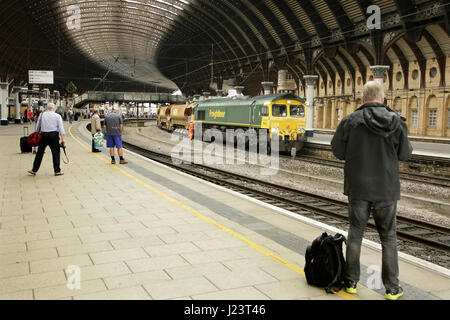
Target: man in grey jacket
[{"x": 371, "y": 141}]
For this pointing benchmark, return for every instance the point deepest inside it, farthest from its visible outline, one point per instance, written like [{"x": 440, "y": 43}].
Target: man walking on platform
[
  {"x": 50, "y": 125},
  {"x": 114, "y": 129},
  {"x": 372, "y": 140}
]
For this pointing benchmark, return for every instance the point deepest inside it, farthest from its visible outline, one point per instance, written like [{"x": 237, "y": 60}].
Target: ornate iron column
[
  {"x": 267, "y": 87},
  {"x": 16, "y": 91},
  {"x": 4, "y": 99},
  {"x": 379, "y": 73},
  {"x": 310, "y": 81}
]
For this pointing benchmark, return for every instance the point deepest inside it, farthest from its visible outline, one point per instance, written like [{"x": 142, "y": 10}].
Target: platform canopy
[{"x": 195, "y": 45}]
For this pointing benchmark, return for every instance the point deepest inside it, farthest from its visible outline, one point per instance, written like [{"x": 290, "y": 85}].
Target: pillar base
[
  {"x": 17, "y": 121},
  {"x": 4, "y": 122},
  {"x": 239, "y": 90},
  {"x": 309, "y": 133}
]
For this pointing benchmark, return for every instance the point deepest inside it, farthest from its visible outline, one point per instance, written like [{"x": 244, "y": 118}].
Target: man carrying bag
[
  {"x": 96, "y": 127},
  {"x": 51, "y": 127}
]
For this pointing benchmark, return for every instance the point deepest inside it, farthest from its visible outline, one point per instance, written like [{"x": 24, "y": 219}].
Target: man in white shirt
[{"x": 50, "y": 125}]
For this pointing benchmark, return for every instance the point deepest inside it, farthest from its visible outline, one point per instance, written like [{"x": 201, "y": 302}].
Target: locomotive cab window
[
  {"x": 264, "y": 111},
  {"x": 298, "y": 111},
  {"x": 201, "y": 115},
  {"x": 279, "y": 110}
]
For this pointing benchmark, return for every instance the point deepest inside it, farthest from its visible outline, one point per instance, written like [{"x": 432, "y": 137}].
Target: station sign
[{"x": 40, "y": 77}]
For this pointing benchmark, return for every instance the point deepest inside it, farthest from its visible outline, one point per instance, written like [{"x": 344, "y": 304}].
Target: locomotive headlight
[
  {"x": 301, "y": 130},
  {"x": 275, "y": 130}
]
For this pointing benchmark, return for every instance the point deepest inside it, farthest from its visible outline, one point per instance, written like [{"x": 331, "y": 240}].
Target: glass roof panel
[{"x": 120, "y": 34}]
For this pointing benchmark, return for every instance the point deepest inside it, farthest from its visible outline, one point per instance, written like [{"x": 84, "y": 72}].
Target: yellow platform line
[{"x": 255, "y": 246}]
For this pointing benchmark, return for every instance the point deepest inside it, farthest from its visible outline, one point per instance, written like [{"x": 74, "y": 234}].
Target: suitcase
[{"x": 24, "y": 147}]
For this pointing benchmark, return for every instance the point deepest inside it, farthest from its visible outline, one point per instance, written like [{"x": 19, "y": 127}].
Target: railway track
[
  {"x": 319, "y": 208},
  {"x": 440, "y": 181},
  {"x": 415, "y": 163}
]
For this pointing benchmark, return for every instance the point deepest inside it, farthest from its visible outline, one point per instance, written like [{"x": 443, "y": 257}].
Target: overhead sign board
[{"x": 40, "y": 77}]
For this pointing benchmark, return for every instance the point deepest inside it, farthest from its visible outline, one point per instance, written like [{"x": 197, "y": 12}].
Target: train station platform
[
  {"x": 422, "y": 145},
  {"x": 144, "y": 231}
]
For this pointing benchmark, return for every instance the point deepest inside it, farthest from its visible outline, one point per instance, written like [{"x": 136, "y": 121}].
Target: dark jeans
[
  {"x": 50, "y": 139},
  {"x": 384, "y": 214},
  {"x": 93, "y": 146}
]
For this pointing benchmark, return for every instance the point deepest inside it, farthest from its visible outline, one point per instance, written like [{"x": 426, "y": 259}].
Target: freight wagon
[
  {"x": 174, "y": 116},
  {"x": 163, "y": 117}
]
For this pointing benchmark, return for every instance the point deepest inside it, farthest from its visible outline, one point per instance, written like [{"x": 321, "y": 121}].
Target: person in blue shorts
[{"x": 114, "y": 129}]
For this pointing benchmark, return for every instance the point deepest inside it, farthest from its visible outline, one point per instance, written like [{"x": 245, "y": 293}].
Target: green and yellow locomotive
[{"x": 283, "y": 116}]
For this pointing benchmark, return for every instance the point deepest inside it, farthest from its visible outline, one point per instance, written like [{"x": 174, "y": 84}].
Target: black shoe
[
  {"x": 113, "y": 161},
  {"x": 32, "y": 172},
  {"x": 96, "y": 151},
  {"x": 394, "y": 293}
]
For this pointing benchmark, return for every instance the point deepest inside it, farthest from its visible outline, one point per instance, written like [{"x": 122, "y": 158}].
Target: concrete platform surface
[{"x": 142, "y": 231}]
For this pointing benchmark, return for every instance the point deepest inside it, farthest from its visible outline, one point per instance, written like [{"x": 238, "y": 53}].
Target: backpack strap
[
  {"x": 339, "y": 271},
  {"x": 338, "y": 237}
]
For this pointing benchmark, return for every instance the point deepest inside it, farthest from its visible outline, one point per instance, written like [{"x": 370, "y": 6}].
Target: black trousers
[
  {"x": 50, "y": 139},
  {"x": 93, "y": 146}
]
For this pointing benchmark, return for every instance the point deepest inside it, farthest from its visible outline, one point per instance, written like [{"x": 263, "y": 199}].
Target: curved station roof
[{"x": 195, "y": 45}]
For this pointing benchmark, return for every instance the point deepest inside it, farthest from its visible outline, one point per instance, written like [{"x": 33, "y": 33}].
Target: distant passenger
[
  {"x": 51, "y": 126},
  {"x": 114, "y": 129},
  {"x": 372, "y": 140},
  {"x": 29, "y": 115},
  {"x": 96, "y": 127},
  {"x": 70, "y": 114},
  {"x": 37, "y": 113}
]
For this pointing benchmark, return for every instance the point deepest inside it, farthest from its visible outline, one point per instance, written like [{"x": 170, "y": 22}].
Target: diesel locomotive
[{"x": 282, "y": 116}]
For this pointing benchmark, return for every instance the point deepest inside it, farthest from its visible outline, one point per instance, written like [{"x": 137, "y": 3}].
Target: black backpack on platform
[{"x": 325, "y": 262}]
